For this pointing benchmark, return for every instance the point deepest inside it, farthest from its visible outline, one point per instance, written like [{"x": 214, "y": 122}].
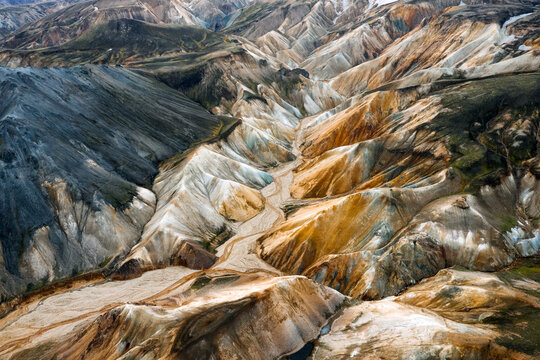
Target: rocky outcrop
[{"x": 472, "y": 296}]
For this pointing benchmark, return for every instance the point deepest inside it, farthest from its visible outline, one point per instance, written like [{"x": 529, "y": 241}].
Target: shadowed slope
[{"x": 61, "y": 144}]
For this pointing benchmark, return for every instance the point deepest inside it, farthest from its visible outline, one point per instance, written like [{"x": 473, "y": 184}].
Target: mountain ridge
[{"x": 378, "y": 197}]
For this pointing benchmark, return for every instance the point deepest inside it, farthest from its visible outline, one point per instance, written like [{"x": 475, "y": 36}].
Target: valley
[{"x": 271, "y": 179}]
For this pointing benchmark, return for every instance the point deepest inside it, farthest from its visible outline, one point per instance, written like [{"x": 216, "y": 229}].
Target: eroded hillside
[{"x": 348, "y": 179}]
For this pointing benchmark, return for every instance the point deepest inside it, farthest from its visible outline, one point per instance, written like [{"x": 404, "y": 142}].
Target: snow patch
[
  {"x": 526, "y": 246},
  {"x": 340, "y": 6},
  {"x": 355, "y": 352},
  {"x": 385, "y": 2},
  {"x": 374, "y": 3},
  {"x": 509, "y": 38}
]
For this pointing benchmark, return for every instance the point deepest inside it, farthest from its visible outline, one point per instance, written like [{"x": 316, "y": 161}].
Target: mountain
[
  {"x": 15, "y": 15},
  {"x": 75, "y": 176},
  {"x": 124, "y": 41},
  {"x": 287, "y": 179},
  {"x": 16, "y": 2},
  {"x": 72, "y": 21}
]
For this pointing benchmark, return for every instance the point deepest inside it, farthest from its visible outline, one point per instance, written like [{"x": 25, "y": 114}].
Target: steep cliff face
[{"x": 365, "y": 185}]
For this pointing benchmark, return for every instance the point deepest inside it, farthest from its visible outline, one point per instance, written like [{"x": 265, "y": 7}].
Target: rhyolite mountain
[
  {"x": 72, "y": 21},
  {"x": 16, "y": 2},
  {"x": 67, "y": 160},
  {"x": 263, "y": 179}
]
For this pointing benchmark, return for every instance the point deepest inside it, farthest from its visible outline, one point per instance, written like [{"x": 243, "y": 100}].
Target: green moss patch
[
  {"x": 519, "y": 324},
  {"x": 123, "y": 40},
  {"x": 212, "y": 242},
  {"x": 250, "y": 15},
  {"x": 466, "y": 125},
  {"x": 201, "y": 282}
]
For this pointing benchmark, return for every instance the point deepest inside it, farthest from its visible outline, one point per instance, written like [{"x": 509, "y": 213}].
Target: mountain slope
[
  {"x": 14, "y": 16},
  {"x": 72, "y": 21},
  {"x": 69, "y": 165},
  {"x": 386, "y": 160},
  {"x": 124, "y": 41}
]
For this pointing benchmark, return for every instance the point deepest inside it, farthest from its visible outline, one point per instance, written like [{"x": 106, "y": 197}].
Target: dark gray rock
[{"x": 102, "y": 132}]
